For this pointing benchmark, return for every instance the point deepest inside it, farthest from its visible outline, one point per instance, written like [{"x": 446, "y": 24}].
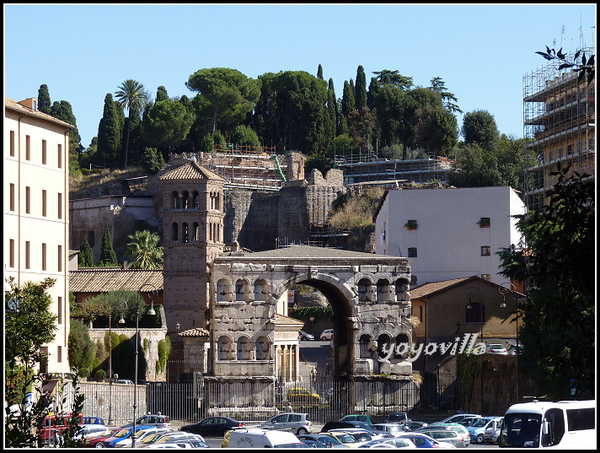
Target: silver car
[
  {"x": 445, "y": 435},
  {"x": 296, "y": 422}
]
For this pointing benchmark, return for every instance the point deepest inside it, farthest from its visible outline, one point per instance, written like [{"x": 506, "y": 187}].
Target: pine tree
[
  {"x": 86, "y": 255},
  {"x": 360, "y": 88},
  {"x": 44, "y": 99},
  {"x": 108, "y": 257}
]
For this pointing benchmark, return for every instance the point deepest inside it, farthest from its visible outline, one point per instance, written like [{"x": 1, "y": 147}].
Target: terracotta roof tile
[
  {"x": 14, "y": 105},
  {"x": 429, "y": 288},
  {"x": 99, "y": 280},
  {"x": 191, "y": 171},
  {"x": 198, "y": 332}
]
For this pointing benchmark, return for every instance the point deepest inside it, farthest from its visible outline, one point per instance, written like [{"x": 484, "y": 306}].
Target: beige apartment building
[{"x": 36, "y": 211}]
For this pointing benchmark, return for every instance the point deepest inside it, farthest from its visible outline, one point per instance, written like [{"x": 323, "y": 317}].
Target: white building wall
[
  {"x": 35, "y": 228},
  {"x": 448, "y": 239}
]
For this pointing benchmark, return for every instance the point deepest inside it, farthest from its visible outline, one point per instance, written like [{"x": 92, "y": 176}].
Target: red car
[
  {"x": 91, "y": 442},
  {"x": 53, "y": 425}
]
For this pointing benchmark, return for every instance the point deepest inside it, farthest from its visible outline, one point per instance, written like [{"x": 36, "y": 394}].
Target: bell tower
[{"x": 193, "y": 215}]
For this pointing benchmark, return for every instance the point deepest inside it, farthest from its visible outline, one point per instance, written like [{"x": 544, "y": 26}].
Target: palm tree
[
  {"x": 131, "y": 95},
  {"x": 144, "y": 250}
]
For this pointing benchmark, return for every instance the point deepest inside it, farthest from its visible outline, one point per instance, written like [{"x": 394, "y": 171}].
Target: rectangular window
[
  {"x": 413, "y": 280},
  {"x": 44, "y": 152},
  {"x": 475, "y": 312},
  {"x": 485, "y": 250},
  {"x": 27, "y": 200},
  {"x": 43, "y": 256},
  {"x": 27, "y": 147},
  {"x": 12, "y": 143},
  {"x": 60, "y": 205},
  {"x": 412, "y": 252},
  {"x": 12, "y": 197},
  {"x": 60, "y": 310},
  {"x": 59, "y": 156},
  {"x": 27, "y": 255},
  {"x": 484, "y": 222},
  {"x": 60, "y": 258},
  {"x": 59, "y": 354},
  {"x": 44, "y": 203},
  {"x": 11, "y": 259}
]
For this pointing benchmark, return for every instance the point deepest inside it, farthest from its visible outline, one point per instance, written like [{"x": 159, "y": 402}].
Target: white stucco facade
[
  {"x": 449, "y": 241},
  {"x": 36, "y": 211}
]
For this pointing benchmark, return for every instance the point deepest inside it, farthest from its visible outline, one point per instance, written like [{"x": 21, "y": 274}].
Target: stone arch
[
  {"x": 244, "y": 348},
  {"x": 175, "y": 199},
  {"x": 196, "y": 199},
  {"x": 343, "y": 316},
  {"x": 185, "y": 200},
  {"x": 224, "y": 348},
  {"x": 262, "y": 347},
  {"x": 223, "y": 290},
  {"x": 402, "y": 286},
  {"x": 384, "y": 346},
  {"x": 367, "y": 346},
  {"x": 383, "y": 290},
  {"x": 241, "y": 289},
  {"x": 261, "y": 289},
  {"x": 401, "y": 351},
  {"x": 363, "y": 289}
]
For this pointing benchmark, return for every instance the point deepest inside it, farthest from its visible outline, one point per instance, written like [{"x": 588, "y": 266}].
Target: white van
[
  {"x": 563, "y": 424},
  {"x": 262, "y": 438}
]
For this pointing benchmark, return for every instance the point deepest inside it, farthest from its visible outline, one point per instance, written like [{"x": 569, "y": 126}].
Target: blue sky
[{"x": 84, "y": 51}]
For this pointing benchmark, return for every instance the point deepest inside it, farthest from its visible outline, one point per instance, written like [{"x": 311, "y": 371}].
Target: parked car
[
  {"x": 392, "y": 428},
  {"x": 122, "y": 436},
  {"x": 90, "y": 442},
  {"x": 397, "y": 417},
  {"x": 334, "y": 424},
  {"x": 467, "y": 422},
  {"x": 424, "y": 441},
  {"x": 477, "y": 429},
  {"x": 455, "y": 418},
  {"x": 445, "y": 435},
  {"x": 179, "y": 439},
  {"x": 260, "y": 438},
  {"x": 305, "y": 336},
  {"x": 413, "y": 425},
  {"x": 91, "y": 430},
  {"x": 490, "y": 436},
  {"x": 327, "y": 334},
  {"x": 395, "y": 442},
  {"x": 93, "y": 421},
  {"x": 53, "y": 425},
  {"x": 460, "y": 429},
  {"x": 497, "y": 349},
  {"x": 302, "y": 396},
  {"x": 212, "y": 426},
  {"x": 346, "y": 439},
  {"x": 298, "y": 423},
  {"x": 357, "y": 418},
  {"x": 145, "y": 437},
  {"x": 325, "y": 439},
  {"x": 157, "y": 420}
]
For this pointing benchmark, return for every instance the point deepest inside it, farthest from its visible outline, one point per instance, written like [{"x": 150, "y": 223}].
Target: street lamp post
[
  {"x": 137, "y": 333},
  {"x": 473, "y": 292},
  {"x": 110, "y": 379},
  {"x": 503, "y": 305}
]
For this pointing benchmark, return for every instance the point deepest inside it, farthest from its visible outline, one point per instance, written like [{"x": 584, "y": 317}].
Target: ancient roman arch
[{"x": 369, "y": 296}]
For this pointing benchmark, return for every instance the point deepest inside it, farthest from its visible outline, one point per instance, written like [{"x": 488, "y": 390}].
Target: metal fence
[{"x": 255, "y": 399}]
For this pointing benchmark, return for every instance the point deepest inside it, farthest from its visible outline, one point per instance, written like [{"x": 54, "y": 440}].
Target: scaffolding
[
  {"x": 558, "y": 127},
  {"x": 244, "y": 166}
]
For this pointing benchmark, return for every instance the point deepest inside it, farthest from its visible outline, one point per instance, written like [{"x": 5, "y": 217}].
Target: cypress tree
[
  {"x": 332, "y": 108},
  {"x": 373, "y": 87},
  {"x": 108, "y": 257},
  {"x": 320, "y": 72},
  {"x": 348, "y": 102},
  {"x": 86, "y": 255},
  {"x": 161, "y": 94},
  {"x": 63, "y": 111},
  {"x": 110, "y": 133},
  {"x": 360, "y": 88},
  {"x": 44, "y": 99}
]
